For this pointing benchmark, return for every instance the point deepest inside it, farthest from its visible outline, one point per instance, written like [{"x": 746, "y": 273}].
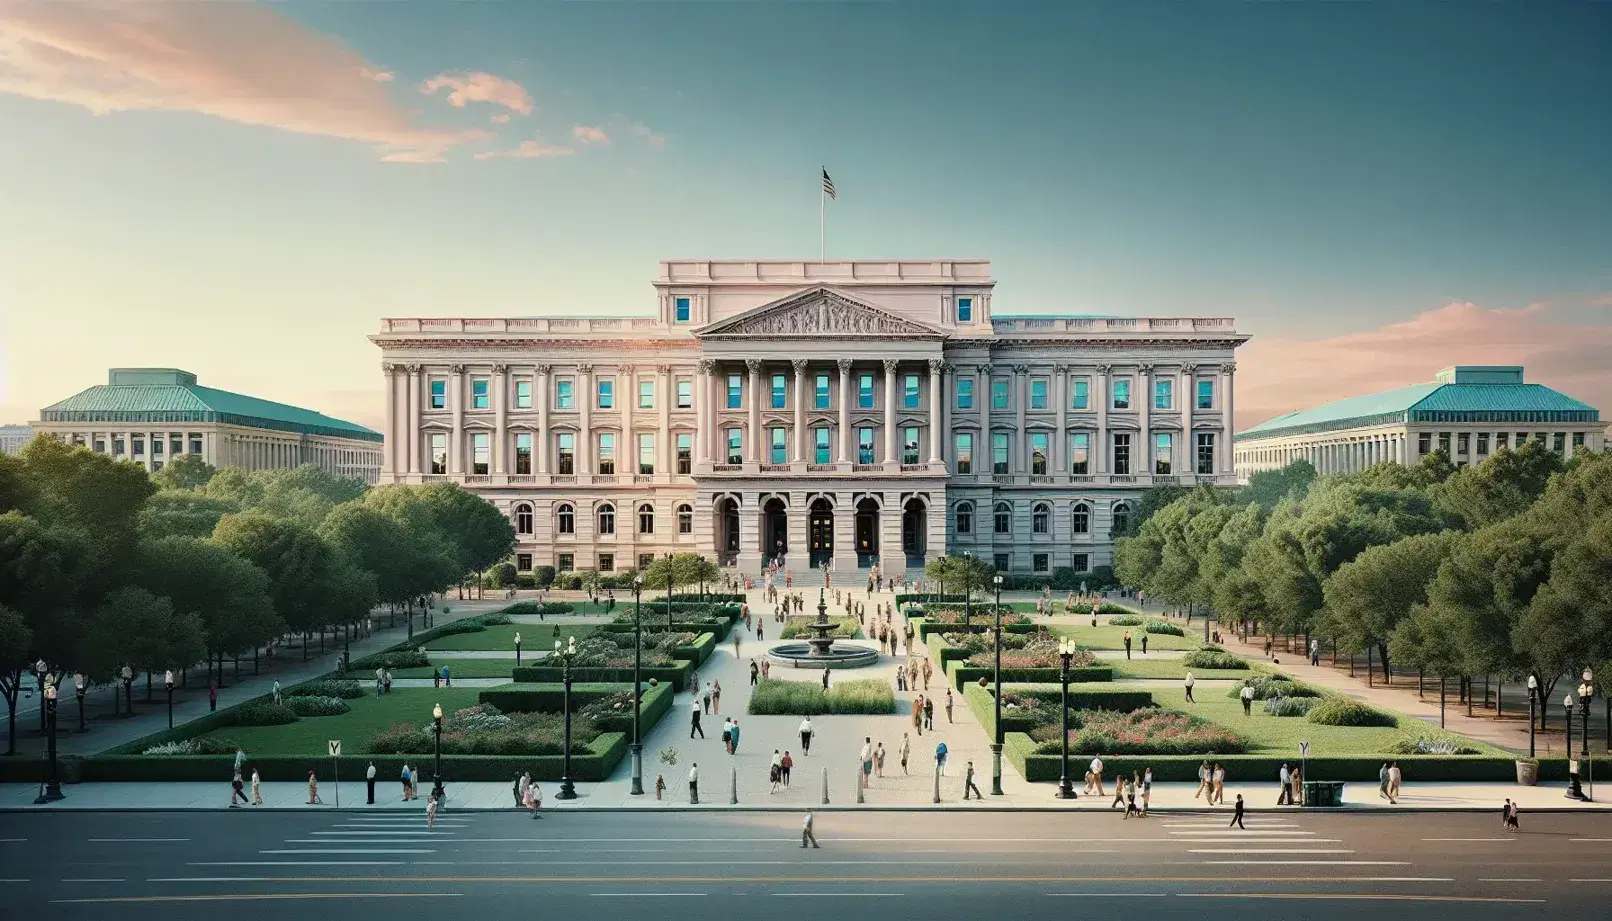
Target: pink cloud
[
  {"x": 480, "y": 87},
  {"x": 501, "y": 119},
  {"x": 240, "y": 62},
  {"x": 527, "y": 150},
  {"x": 648, "y": 136},
  {"x": 1278, "y": 375},
  {"x": 590, "y": 134}
]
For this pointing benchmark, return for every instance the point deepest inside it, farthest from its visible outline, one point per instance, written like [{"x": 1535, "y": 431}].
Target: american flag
[{"x": 828, "y": 186}]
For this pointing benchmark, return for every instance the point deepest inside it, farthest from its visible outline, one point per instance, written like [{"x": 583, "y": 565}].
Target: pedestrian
[
  {"x": 904, "y": 751},
  {"x": 784, "y": 767},
  {"x": 928, "y": 671},
  {"x": 276, "y": 690},
  {"x": 716, "y": 696},
  {"x": 929, "y": 713},
  {"x": 694, "y": 719},
  {"x": 240, "y": 758},
  {"x": 1147, "y": 790},
  {"x": 968, "y": 782},
  {"x": 727, "y": 735},
  {"x": 237, "y": 790},
  {"x": 1218, "y": 772},
  {"x": 878, "y": 760},
  {"x": 806, "y": 835},
  {"x": 694, "y": 784},
  {"x": 313, "y": 790},
  {"x": 1248, "y": 700},
  {"x": 825, "y": 680},
  {"x": 766, "y": 668},
  {"x": 660, "y": 786},
  {"x": 436, "y": 677},
  {"x": 918, "y": 714},
  {"x": 1119, "y": 792},
  {"x": 705, "y": 697},
  {"x": 1144, "y": 642},
  {"x": 866, "y": 758},
  {"x": 1203, "y": 782},
  {"x": 431, "y": 811},
  {"x": 1127, "y": 644},
  {"x": 1315, "y": 653},
  {"x": 1511, "y": 817},
  {"x": 1296, "y": 792},
  {"x": 257, "y": 788},
  {"x": 369, "y": 782},
  {"x": 1394, "y": 779},
  {"x": 806, "y": 737},
  {"x": 736, "y": 644},
  {"x": 948, "y": 705},
  {"x": 755, "y": 673},
  {"x": 733, "y": 738},
  {"x": 940, "y": 758},
  {"x": 1286, "y": 779},
  {"x": 212, "y": 698},
  {"x": 408, "y": 783},
  {"x": 775, "y": 771},
  {"x": 1382, "y": 781},
  {"x": 1096, "y": 774},
  {"x": 517, "y": 789},
  {"x": 1130, "y": 796},
  {"x": 1188, "y": 685},
  {"x": 1237, "y": 814},
  {"x": 901, "y": 679}
]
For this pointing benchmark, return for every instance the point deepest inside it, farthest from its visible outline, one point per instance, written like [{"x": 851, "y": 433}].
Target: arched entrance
[
  {"x": 867, "y": 533},
  {"x": 774, "y": 529},
  {"x": 915, "y": 531},
  {"x": 727, "y": 530},
  {"x": 820, "y": 532}
]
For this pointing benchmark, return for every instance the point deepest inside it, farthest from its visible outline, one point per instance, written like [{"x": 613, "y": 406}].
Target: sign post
[
  {"x": 1304, "y": 766},
  {"x": 335, "y": 767}
]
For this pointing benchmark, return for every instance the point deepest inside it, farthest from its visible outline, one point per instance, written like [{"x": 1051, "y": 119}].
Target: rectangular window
[
  {"x": 479, "y": 398},
  {"x": 607, "y": 562},
  {"x": 1444, "y": 443},
  {"x": 685, "y": 393},
  {"x": 1122, "y": 393},
  {"x": 1003, "y": 561},
  {"x": 646, "y": 453},
  {"x": 176, "y": 444},
  {"x": 565, "y": 453},
  {"x": 820, "y": 450},
  {"x": 999, "y": 393},
  {"x": 1038, "y": 562},
  {"x": 1082, "y": 397},
  {"x": 1559, "y": 440},
  {"x": 1521, "y": 437},
  {"x": 735, "y": 391},
  {"x": 1483, "y": 444},
  {"x": 1206, "y": 393},
  {"x": 439, "y": 393},
  {"x": 100, "y": 446},
  {"x": 735, "y": 446},
  {"x": 965, "y": 310},
  {"x": 523, "y": 562},
  {"x": 779, "y": 388},
  {"x": 523, "y": 394},
  {"x": 1500, "y": 439},
  {"x": 684, "y": 309},
  {"x": 1424, "y": 443},
  {"x": 1122, "y": 454},
  {"x": 1080, "y": 454},
  {"x": 607, "y": 453},
  {"x": 864, "y": 446},
  {"x": 156, "y": 465},
  {"x": 481, "y": 453},
  {"x": 685, "y": 453},
  {"x": 138, "y": 445},
  {"x": 965, "y": 393},
  {"x": 1163, "y": 393},
  {"x": 909, "y": 446},
  {"x": 820, "y": 392},
  {"x": 909, "y": 391},
  {"x": 1463, "y": 441},
  {"x": 864, "y": 391},
  {"x": 117, "y": 445},
  {"x": 965, "y": 518},
  {"x": 565, "y": 394},
  {"x": 523, "y": 452},
  {"x": 778, "y": 445},
  {"x": 645, "y": 560},
  {"x": 646, "y": 394},
  {"x": 1080, "y": 562},
  {"x": 1038, "y": 453},
  {"x": 1163, "y": 453},
  {"x": 607, "y": 393},
  {"x": 965, "y": 453},
  {"x": 1206, "y": 453},
  {"x": 195, "y": 444},
  {"x": 156, "y": 447},
  {"x": 439, "y": 453},
  {"x": 565, "y": 562},
  {"x": 1038, "y": 393},
  {"x": 999, "y": 452},
  {"x": 1578, "y": 440}
]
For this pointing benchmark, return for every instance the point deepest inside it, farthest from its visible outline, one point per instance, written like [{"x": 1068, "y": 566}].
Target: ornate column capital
[
  {"x": 1021, "y": 369},
  {"x": 1229, "y": 367},
  {"x": 936, "y": 366},
  {"x": 584, "y": 369},
  {"x": 983, "y": 368},
  {"x": 543, "y": 369},
  {"x": 456, "y": 369},
  {"x": 663, "y": 369},
  {"x": 1145, "y": 367},
  {"x": 753, "y": 365},
  {"x": 413, "y": 369},
  {"x": 500, "y": 369},
  {"x": 388, "y": 368},
  {"x": 799, "y": 364},
  {"x": 1060, "y": 368},
  {"x": 707, "y": 366},
  {"x": 891, "y": 364},
  {"x": 1104, "y": 368},
  {"x": 1189, "y": 368},
  {"x": 844, "y": 365}
]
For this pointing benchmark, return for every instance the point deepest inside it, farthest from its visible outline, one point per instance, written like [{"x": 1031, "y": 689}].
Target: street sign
[
  {"x": 335, "y": 748},
  {"x": 1304, "y": 749}
]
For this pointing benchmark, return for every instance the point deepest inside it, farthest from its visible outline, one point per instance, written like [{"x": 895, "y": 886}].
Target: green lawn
[
  {"x": 535, "y": 638},
  {"x": 1140, "y": 667},
  {"x": 369, "y": 715},
  {"x": 458, "y": 668},
  {"x": 1104, "y": 636}
]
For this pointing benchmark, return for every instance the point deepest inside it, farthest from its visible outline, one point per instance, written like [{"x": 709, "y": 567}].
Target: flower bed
[
  {"x": 982, "y": 615},
  {"x": 615, "y": 650},
  {"x": 1142, "y": 732},
  {"x": 1269, "y": 686},
  {"x": 774, "y": 696},
  {"x": 485, "y": 730},
  {"x": 1035, "y": 650},
  {"x": 845, "y": 628}
]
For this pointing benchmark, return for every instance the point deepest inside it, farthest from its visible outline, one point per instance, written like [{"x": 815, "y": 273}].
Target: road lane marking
[
  {"x": 1265, "y": 850},
  {"x": 1585, "y": 840},
  {"x": 645, "y": 895},
  {"x": 295, "y": 863},
  {"x": 1312, "y": 863},
  {"x": 1509, "y": 879},
  {"x": 1472, "y": 839},
  {"x": 1229, "y": 839},
  {"x": 1576, "y": 880},
  {"x": 94, "y": 879},
  {"x": 758, "y": 880},
  {"x": 1363, "y": 896},
  {"x": 207, "y": 879},
  {"x": 359, "y": 833},
  {"x": 242, "y": 897},
  {"x": 1108, "y": 895},
  {"x": 1252, "y": 833},
  {"x": 355, "y": 850},
  {"x": 135, "y": 840},
  {"x": 839, "y": 895}
]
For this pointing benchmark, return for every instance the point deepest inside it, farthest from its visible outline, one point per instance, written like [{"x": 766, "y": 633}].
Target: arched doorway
[
  {"x": 915, "y": 531},
  {"x": 727, "y": 530},
  {"x": 867, "y": 533},
  {"x": 774, "y": 528},
  {"x": 820, "y": 532}
]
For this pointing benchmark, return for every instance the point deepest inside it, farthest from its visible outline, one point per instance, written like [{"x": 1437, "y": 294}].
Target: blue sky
[{"x": 1401, "y": 185}]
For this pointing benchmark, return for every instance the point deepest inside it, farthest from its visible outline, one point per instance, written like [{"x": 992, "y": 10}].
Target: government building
[
  {"x": 1467, "y": 411},
  {"x": 857, "y": 413},
  {"x": 152, "y": 416}
]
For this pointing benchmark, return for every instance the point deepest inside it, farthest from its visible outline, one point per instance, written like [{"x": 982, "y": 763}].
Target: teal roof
[
  {"x": 171, "y": 396},
  {"x": 1435, "y": 402}
]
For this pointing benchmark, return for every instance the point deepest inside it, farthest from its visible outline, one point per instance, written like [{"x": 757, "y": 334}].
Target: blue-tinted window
[
  {"x": 909, "y": 392},
  {"x": 999, "y": 393},
  {"x": 820, "y": 392},
  {"x": 683, "y": 309},
  {"x": 965, "y": 310},
  {"x": 1082, "y": 398},
  {"x": 1038, "y": 393},
  {"x": 439, "y": 394},
  {"x": 779, "y": 387},
  {"x": 965, "y": 393},
  {"x": 864, "y": 391},
  {"x": 478, "y": 394},
  {"x": 820, "y": 453},
  {"x": 735, "y": 391},
  {"x": 1206, "y": 394}
]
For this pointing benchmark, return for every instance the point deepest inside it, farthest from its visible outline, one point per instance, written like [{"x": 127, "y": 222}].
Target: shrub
[
  {"x": 1341, "y": 711},
  {"x": 1144, "y": 732},
  {"x": 844, "y": 627},
  {"x": 982, "y": 615},
  {"x": 327, "y": 687},
  {"x": 543, "y": 576},
  {"x": 534, "y": 608},
  {"x": 1212, "y": 657},
  {"x": 1435, "y": 742},
  {"x": 779, "y": 697},
  {"x": 1163, "y": 627},
  {"x": 1268, "y": 686},
  {"x": 317, "y": 706},
  {"x": 265, "y": 712},
  {"x": 1037, "y": 650},
  {"x": 1290, "y": 706},
  {"x": 402, "y": 658},
  {"x": 200, "y": 745},
  {"x": 606, "y": 649},
  {"x": 495, "y": 619},
  {"x": 1126, "y": 620},
  {"x": 483, "y": 730}
]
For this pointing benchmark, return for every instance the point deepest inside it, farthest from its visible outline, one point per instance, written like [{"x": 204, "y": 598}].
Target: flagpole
[{"x": 822, "y": 220}]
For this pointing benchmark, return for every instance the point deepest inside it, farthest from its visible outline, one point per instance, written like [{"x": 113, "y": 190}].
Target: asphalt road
[{"x": 884, "y": 865}]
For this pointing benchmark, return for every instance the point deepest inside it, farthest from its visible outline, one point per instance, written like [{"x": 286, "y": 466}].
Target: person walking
[
  {"x": 1119, "y": 792},
  {"x": 929, "y": 713},
  {"x": 1188, "y": 685},
  {"x": 733, "y": 738},
  {"x": 727, "y": 735},
  {"x": 1096, "y": 774},
  {"x": 1130, "y": 796},
  {"x": 407, "y": 778},
  {"x": 369, "y": 783},
  {"x": 775, "y": 770},
  {"x": 1218, "y": 773},
  {"x": 1295, "y": 794},
  {"x": 313, "y": 790},
  {"x": 1512, "y": 824},
  {"x": 1127, "y": 644},
  {"x": 806, "y": 737},
  {"x": 825, "y": 680},
  {"x": 928, "y": 671},
  {"x": 276, "y": 690},
  {"x": 968, "y": 783},
  {"x": 1286, "y": 779},
  {"x": 806, "y": 836},
  {"x": 237, "y": 790},
  {"x": 1237, "y": 814},
  {"x": 755, "y": 673},
  {"x": 706, "y": 697},
  {"x": 1144, "y": 642},
  {"x": 1394, "y": 780},
  {"x": 1382, "y": 781},
  {"x": 904, "y": 751},
  {"x": 694, "y": 784},
  {"x": 694, "y": 719},
  {"x": 716, "y": 697},
  {"x": 212, "y": 698},
  {"x": 257, "y": 788},
  {"x": 940, "y": 758},
  {"x": 1247, "y": 696},
  {"x": 948, "y": 705},
  {"x": 1147, "y": 790},
  {"x": 431, "y": 811},
  {"x": 1315, "y": 653},
  {"x": 1203, "y": 782},
  {"x": 878, "y": 760},
  {"x": 918, "y": 714},
  {"x": 866, "y": 757},
  {"x": 784, "y": 767}
]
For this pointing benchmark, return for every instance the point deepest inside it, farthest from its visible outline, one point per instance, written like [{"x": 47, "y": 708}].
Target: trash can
[{"x": 1323, "y": 793}]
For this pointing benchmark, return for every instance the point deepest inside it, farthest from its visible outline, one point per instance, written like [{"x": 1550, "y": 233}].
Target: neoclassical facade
[{"x": 857, "y": 412}]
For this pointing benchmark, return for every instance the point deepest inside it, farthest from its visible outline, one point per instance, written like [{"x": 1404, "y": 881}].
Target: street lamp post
[
  {"x": 436, "y": 786},
  {"x": 81, "y": 688},
  {"x": 668, "y": 591},
  {"x": 1586, "y": 693},
  {"x": 996, "y": 739},
  {"x": 168, "y": 684},
  {"x": 1533, "y": 696},
  {"x": 517, "y": 648},
  {"x": 1574, "y": 791},
  {"x": 637, "y": 687},
  {"x": 53, "y": 784},
  {"x": 128, "y": 690},
  {"x": 1066, "y": 653},
  {"x": 40, "y": 670},
  {"x": 568, "y": 788}
]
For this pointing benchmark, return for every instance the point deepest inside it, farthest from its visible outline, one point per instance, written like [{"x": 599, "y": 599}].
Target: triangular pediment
[{"x": 820, "y": 312}]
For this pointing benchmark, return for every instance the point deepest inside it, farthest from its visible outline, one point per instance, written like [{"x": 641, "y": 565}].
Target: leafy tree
[
  {"x": 1426, "y": 639},
  {"x": 182, "y": 513},
  {"x": 1506, "y": 484},
  {"x": 1568, "y": 623},
  {"x": 43, "y": 574},
  {"x": 228, "y": 593},
  {"x": 16, "y": 493},
  {"x": 1231, "y": 592},
  {"x": 300, "y": 566},
  {"x": 479, "y": 534},
  {"x": 16, "y": 648},
  {"x": 963, "y": 574},
  {"x": 135, "y": 627},
  {"x": 1152, "y": 501},
  {"x": 504, "y": 574},
  {"x": 188, "y": 471},
  {"x": 1269, "y": 487},
  {"x": 376, "y": 542},
  {"x": 1368, "y": 596},
  {"x": 93, "y": 494}
]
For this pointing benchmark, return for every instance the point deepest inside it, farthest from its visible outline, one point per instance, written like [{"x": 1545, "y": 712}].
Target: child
[{"x": 431, "y": 811}]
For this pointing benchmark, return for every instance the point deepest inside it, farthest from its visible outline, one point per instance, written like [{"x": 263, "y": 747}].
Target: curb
[{"x": 793, "y": 810}]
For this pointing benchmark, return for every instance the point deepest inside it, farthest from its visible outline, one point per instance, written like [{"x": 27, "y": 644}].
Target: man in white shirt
[
  {"x": 1188, "y": 684},
  {"x": 806, "y": 736},
  {"x": 694, "y": 715},
  {"x": 1286, "y": 798},
  {"x": 1248, "y": 700},
  {"x": 694, "y": 784},
  {"x": 1097, "y": 773},
  {"x": 806, "y": 831}
]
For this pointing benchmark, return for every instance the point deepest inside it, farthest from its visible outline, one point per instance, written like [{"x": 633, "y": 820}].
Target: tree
[
  {"x": 1232, "y": 594},
  {"x": 187, "y": 471},
  {"x": 1425, "y": 638},
  {"x": 93, "y": 494},
  {"x": 43, "y": 573},
  {"x": 16, "y": 651},
  {"x": 1368, "y": 596},
  {"x": 1568, "y": 624},
  {"x": 1152, "y": 501},
  {"x": 135, "y": 627},
  {"x": 376, "y": 542},
  {"x": 478, "y": 534},
  {"x": 182, "y": 513},
  {"x": 228, "y": 593},
  {"x": 16, "y": 493},
  {"x": 298, "y": 563},
  {"x": 1505, "y": 485},
  {"x": 1269, "y": 487}
]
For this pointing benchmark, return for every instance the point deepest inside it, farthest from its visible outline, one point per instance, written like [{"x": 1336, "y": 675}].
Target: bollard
[
  {"x": 733, "y": 790},
  {"x": 937, "y": 783},
  {"x": 860, "y": 784},
  {"x": 825, "y": 786}
]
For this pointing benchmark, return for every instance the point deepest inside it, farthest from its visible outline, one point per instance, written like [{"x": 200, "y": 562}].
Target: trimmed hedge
[
  {"x": 775, "y": 696},
  {"x": 1341, "y": 711},
  {"x": 1163, "y": 628},
  {"x": 1213, "y": 657},
  {"x": 327, "y": 687},
  {"x": 317, "y": 706},
  {"x": 718, "y": 630},
  {"x": 962, "y": 675},
  {"x": 928, "y": 598},
  {"x": 550, "y": 698},
  {"x": 543, "y": 608},
  {"x": 981, "y": 702},
  {"x": 677, "y": 676}
]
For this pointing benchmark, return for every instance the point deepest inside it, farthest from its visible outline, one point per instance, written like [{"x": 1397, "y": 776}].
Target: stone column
[
  {"x": 752, "y": 448},
  {"x": 937, "y": 410},
  {"x": 892, "y": 557},
  {"x": 704, "y": 419},
  {"x": 544, "y": 436},
  {"x": 845, "y": 571},
  {"x": 413, "y": 419},
  {"x": 1058, "y": 464},
  {"x": 982, "y": 405},
  {"x": 749, "y": 561},
  {"x": 844, "y": 435},
  {"x": 800, "y": 551},
  {"x": 1100, "y": 450},
  {"x": 586, "y": 446},
  {"x": 500, "y": 418},
  {"x": 1144, "y": 383},
  {"x": 892, "y": 459},
  {"x": 456, "y": 395},
  {"x": 666, "y": 461},
  {"x": 1189, "y": 400},
  {"x": 388, "y": 431},
  {"x": 1228, "y": 418},
  {"x": 627, "y": 394},
  {"x": 1021, "y": 402},
  {"x": 799, "y": 454}
]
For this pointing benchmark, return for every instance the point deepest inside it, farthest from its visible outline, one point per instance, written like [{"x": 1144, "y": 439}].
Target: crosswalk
[
  {"x": 367, "y": 841},
  {"x": 1265, "y": 842}
]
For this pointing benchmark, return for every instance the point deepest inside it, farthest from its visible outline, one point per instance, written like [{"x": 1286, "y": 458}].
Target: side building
[
  {"x": 14, "y": 437},
  {"x": 1467, "y": 411},
  {"x": 155, "y": 415},
  {"x": 858, "y": 413}
]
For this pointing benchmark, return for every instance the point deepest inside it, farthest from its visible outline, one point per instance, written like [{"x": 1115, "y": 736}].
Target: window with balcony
[
  {"x": 1080, "y": 521},
  {"x": 963, "y": 457},
  {"x": 965, "y": 518},
  {"x": 1002, "y": 518},
  {"x": 607, "y": 393},
  {"x": 646, "y": 453},
  {"x": 607, "y": 453},
  {"x": 1041, "y": 518},
  {"x": 864, "y": 391},
  {"x": 565, "y": 394},
  {"x": 1206, "y": 453},
  {"x": 820, "y": 446},
  {"x": 523, "y": 453},
  {"x": 479, "y": 393},
  {"x": 999, "y": 393},
  {"x": 965, "y": 393},
  {"x": 439, "y": 453},
  {"x": 864, "y": 446},
  {"x": 523, "y": 394},
  {"x": 481, "y": 453},
  {"x": 1122, "y": 393},
  {"x": 685, "y": 393},
  {"x": 1038, "y": 392},
  {"x": 439, "y": 393},
  {"x": 682, "y": 308},
  {"x": 735, "y": 391},
  {"x": 735, "y": 446},
  {"x": 780, "y": 389},
  {"x": 1122, "y": 454},
  {"x": 1206, "y": 393},
  {"x": 909, "y": 445},
  {"x": 607, "y": 519},
  {"x": 1039, "y": 453},
  {"x": 778, "y": 445},
  {"x": 820, "y": 392},
  {"x": 685, "y": 453},
  {"x": 999, "y": 452},
  {"x": 965, "y": 310},
  {"x": 1080, "y": 454},
  {"x": 1081, "y": 398},
  {"x": 909, "y": 391},
  {"x": 646, "y": 394},
  {"x": 1163, "y": 452},
  {"x": 565, "y": 453},
  {"x": 565, "y": 519}
]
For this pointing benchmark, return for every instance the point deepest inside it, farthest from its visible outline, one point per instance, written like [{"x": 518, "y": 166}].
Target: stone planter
[{"x": 1527, "y": 773}]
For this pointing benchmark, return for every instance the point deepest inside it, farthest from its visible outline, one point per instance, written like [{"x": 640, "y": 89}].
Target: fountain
[{"x": 818, "y": 651}]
